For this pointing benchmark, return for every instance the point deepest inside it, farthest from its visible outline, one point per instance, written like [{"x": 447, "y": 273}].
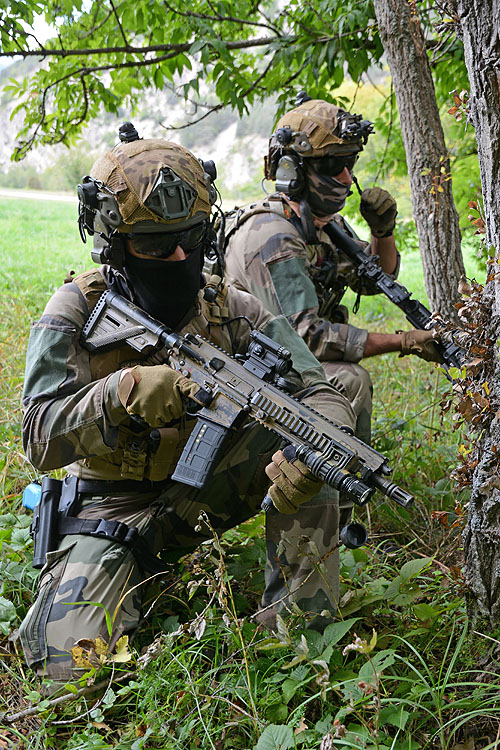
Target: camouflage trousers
[
  {"x": 354, "y": 382},
  {"x": 89, "y": 576}
]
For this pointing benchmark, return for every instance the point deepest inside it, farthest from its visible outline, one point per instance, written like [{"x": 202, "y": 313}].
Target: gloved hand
[
  {"x": 421, "y": 343},
  {"x": 379, "y": 209},
  {"x": 292, "y": 482},
  {"x": 156, "y": 394}
]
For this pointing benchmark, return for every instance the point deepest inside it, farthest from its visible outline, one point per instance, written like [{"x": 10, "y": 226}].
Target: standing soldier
[
  {"x": 278, "y": 250},
  {"x": 148, "y": 205}
]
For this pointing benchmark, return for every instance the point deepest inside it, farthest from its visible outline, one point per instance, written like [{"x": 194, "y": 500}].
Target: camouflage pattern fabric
[
  {"x": 325, "y": 194},
  {"x": 73, "y": 418},
  {"x": 354, "y": 382},
  {"x": 267, "y": 257},
  {"x": 319, "y": 120},
  {"x": 131, "y": 170}
]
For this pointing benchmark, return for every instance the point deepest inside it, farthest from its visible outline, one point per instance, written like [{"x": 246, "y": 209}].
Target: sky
[{"x": 40, "y": 29}]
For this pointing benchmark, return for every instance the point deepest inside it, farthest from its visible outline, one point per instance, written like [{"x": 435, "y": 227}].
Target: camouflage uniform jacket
[
  {"x": 267, "y": 256},
  {"x": 73, "y": 417}
]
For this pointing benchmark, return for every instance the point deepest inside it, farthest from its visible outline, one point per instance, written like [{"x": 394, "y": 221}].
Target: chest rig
[
  {"x": 328, "y": 273},
  {"x": 142, "y": 454}
]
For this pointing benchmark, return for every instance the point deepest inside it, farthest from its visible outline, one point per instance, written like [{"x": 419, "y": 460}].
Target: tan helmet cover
[
  {"x": 318, "y": 120},
  {"x": 131, "y": 170}
]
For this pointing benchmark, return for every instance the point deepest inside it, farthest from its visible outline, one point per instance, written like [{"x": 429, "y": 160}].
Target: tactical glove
[
  {"x": 292, "y": 482},
  {"x": 421, "y": 343},
  {"x": 156, "y": 394},
  {"x": 379, "y": 209}
]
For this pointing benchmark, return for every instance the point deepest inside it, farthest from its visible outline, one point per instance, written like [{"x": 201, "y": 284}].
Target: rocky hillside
[{"x": 236, "y": 145}]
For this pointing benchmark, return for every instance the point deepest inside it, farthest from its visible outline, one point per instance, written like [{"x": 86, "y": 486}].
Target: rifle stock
[
  {"x": 233, "y": 392},
  {"x": 368, "y": 267}
]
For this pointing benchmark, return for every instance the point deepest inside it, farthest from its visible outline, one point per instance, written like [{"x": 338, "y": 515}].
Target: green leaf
[
  {"x": 7, "y": 615},
  {"x": 197, "y": 46},
  {"x": 71, "y": 688},
  {"x": 413, "y": 567},
  {"x": 398, "y": 717},
  {"x": 379, "y": 662},
  {"x": 275, "y": 737},
  {"x": 158, "y": 78},
  {"x": 20, "y": 539},
  {"x": 33, "y": 695},
  {"x": 425, "y": 611},
  {"x": 335, "y": 632},
  {"x": 289, "y": 689},
  {"x": 109, "y": 698}
]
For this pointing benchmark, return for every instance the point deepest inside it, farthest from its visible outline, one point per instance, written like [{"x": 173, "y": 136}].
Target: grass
[{"x": 399, "y": 671}]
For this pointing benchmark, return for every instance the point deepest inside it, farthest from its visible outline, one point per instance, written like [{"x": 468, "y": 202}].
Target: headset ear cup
[
  {"x": 110, "y": 251},
  {"x": 290, "y": 177}
]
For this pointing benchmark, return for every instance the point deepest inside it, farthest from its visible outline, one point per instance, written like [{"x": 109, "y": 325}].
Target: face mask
[
  {"x": 165, "y": 289},
  {"x": 325, "y": 195}
]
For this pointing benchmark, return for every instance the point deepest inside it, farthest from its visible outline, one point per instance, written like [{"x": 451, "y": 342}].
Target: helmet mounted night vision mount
[{"x": 354, "y": 128}]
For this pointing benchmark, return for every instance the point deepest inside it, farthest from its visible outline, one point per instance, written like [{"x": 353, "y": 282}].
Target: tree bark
[
  {"x": 434, "y": 211},
  {"x": 479, "y": 27}
]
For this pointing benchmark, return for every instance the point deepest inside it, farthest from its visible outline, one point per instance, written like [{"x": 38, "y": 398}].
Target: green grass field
[{"x": 214, "y": 680}]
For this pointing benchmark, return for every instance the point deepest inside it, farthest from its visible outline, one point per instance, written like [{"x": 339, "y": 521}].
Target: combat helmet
[
  {"x": 151, "y": 190},
  {"x": 313, "y": 130}
]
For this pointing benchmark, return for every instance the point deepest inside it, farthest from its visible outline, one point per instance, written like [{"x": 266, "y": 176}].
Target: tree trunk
[
  {"x": 479, "y": 26},
  {"x": 434, "y": 210}
]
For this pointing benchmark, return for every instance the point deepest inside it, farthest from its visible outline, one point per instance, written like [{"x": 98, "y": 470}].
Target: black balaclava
[
  {"x": 165, "y": 289},
  {"x": 325, "y": 194}
]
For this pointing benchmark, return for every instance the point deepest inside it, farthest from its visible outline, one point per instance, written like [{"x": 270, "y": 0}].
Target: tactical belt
[{"x": 103, "y": 487}]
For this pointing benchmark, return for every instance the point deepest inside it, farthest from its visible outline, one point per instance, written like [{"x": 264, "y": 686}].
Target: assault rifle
[
  {"x": 233, "y": 391},
  {"x": 368, "y": 267}
]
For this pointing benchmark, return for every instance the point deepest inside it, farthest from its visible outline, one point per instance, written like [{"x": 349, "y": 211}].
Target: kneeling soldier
[{"x": 148, "y": 205}]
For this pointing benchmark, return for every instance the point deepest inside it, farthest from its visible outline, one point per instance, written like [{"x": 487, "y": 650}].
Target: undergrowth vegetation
[{"x": 399, "y": 670}]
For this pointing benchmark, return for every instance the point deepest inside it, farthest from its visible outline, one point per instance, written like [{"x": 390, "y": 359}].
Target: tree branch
[
  {"x": 11, "y": 718},
  {"x": 175, "y": 49},
  {"x": 127, "y": 45},
  {"x": 94, "y": 28},
  {"x": 217, "y": 107},
  {"x": 218, "y": 17}
]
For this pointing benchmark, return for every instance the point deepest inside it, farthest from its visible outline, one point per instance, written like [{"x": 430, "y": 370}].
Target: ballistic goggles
[
  {"x": 163, "y": 244},
  {"x": 333, "y": 165}
]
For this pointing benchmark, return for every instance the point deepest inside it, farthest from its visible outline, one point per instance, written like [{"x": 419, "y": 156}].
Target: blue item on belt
[{"x": 31, "y": 495}]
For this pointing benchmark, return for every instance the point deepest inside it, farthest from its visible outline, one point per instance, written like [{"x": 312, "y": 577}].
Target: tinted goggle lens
[
  {"x": 164, "y": 244},
  {"x": 333, "y": 165}
]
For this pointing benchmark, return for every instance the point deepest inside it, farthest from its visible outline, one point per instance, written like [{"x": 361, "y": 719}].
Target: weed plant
[{"x": 399, "y": 670}]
